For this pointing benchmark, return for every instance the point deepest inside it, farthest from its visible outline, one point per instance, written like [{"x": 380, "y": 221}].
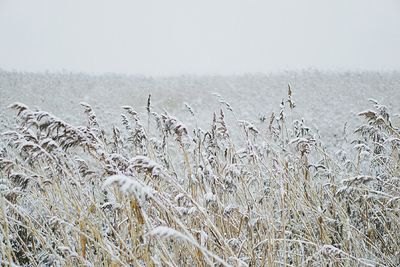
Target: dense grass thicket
[{"x": 150, "y": 191}]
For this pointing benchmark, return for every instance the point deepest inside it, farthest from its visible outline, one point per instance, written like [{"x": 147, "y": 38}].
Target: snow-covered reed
[{"x": 165, "y": 194}]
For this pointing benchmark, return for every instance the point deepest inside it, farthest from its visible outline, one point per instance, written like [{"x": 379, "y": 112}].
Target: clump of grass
[{"x": 171, "y": 195}]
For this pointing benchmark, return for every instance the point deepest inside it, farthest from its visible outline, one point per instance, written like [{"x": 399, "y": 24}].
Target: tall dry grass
[{"x": 152, "y": 192}]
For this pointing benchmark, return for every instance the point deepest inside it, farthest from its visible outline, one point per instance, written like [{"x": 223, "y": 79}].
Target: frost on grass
[
  {"x": 151, "y": 190},
  {"x": 129, "y": 185}
]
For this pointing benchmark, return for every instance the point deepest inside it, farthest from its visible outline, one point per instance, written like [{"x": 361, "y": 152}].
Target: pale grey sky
[{"x": 206, "y": 36}]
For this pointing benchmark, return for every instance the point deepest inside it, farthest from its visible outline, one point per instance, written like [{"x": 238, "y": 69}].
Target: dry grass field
[{"x": 208, "y": 171}]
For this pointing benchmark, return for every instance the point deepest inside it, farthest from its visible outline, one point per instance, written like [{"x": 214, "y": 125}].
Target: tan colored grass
[{"x": 173, "y": 196}]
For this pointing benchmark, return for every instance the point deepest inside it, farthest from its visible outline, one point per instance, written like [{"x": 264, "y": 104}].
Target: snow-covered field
[
  {"x": 326, "y": 100},
  {"x": 169, "y": 183}
]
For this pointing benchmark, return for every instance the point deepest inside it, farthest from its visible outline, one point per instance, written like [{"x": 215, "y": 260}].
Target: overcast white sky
[{"x": 206, "y": 36}]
